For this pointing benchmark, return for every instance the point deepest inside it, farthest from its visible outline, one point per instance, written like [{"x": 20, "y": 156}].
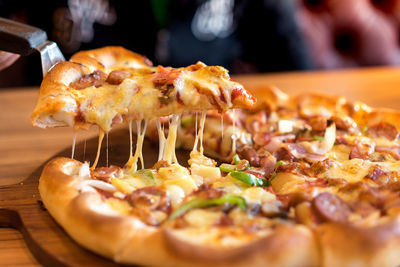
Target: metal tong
[{"x": 23, "y": 39}]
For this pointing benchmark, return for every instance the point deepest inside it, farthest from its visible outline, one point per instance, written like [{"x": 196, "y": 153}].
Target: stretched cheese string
[
  {"x": 169, "y": 150},
  {"x": 233, "y": 132},
  {"x": 101, "y": 136},
  {"x": 130, "y": 140},
  {"x": 201, "y": 130},
  {"x": 196, "y": 138},
  {"x": 132, "y": 163},
  {"x": 199, "y": 133},
  {"x": 161, "y": 139},
  {"x": 73, "y": 145}
]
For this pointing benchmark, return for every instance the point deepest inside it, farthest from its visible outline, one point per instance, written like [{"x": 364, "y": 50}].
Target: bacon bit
[
  {"x": 150, "y": 197},
  {"x": 160, "y": 164},
  {"x": 318, "y": 123},
  {"x": 96, "y": 79},
  {"x": 249, "y": 153},
  {"x": 375, "y": 173},
  {"x": 261, "y": 139},
  {"x": 283, "y": 153},
  {"x": 343, "y": 122},
  {"x": 241, "y": 98},
  {"x": 105, "y": 173},
  {"x": 383, "y": 129},
  {"x": 360, "y": 151},
  {"x": 267, "y": 162},
  {"x": 341, "y": 140},
  {"x": 331, "y": 208},
  {"x": 165, "y": 76},
  {"x": 321, "y": 166},
  {"x": 117, "y": 76}
]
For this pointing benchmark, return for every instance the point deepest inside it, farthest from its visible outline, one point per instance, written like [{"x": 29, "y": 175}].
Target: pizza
[{"x": 306, "y": 180}]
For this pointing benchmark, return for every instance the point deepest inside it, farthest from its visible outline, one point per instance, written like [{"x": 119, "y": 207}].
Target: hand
[{"x": 7, "y": 59}]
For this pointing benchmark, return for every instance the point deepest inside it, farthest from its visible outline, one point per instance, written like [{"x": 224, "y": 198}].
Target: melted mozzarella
[
  {"x": 169, "y": 149},
  {"x": 73, "y": 145},
  {"x": 200, "y": 133},
  {"x": 101, "y": 136},
  {"x": 132, "y": 162}
]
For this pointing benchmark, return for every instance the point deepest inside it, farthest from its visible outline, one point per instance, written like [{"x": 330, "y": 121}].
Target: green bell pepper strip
[
  {"x": 203, "y": 203},
  {"x": 235, "y": 159},
  {"x": 227, "y": 167},
  {"x": 249, "y": 179},
  {"x": 318, "y": 138},
  {"x": 147, "y": 174}
]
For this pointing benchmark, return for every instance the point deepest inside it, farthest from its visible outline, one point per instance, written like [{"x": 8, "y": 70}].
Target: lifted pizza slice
[{"x": 110, "y": 85}]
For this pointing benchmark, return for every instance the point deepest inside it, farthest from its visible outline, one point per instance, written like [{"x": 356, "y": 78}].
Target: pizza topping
[
  {"x": 165, "y": 76},
  {"x": 318, "y": 123},
  {"x": 151, "y": 204},
  {"x": 383, "y": 129},
  {"x": 393, "y": 151},
  {"x": 331, "y": 208},
  {"x": 105, "y": 173},
  {"x": 203, "y": 203},
  {"x": 89, "y": 185},
  {"x": 117, "y": 76},
  {"x": 249, "y": 179},
  {"x": 160, "y": 164},
  {"x": 249, "y": 153},
  {"x": 375, "y": 173},
  {"x": 96, "y": 79},
  {"x": 267, "y": 162},
  {"x": 361, "y": 151}
]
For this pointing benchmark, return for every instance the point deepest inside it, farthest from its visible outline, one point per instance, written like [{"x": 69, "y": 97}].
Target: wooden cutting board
[{"x": 23, "y": 210}]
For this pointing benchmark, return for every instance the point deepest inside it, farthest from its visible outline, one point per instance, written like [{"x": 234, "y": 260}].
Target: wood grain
[{"x": 23, "y": 150}]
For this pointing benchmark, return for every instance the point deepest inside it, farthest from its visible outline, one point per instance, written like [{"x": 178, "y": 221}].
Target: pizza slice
[{"x": 110, "y": 85}]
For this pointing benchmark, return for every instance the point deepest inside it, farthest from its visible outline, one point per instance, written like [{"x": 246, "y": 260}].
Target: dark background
[{"x": 265, "y": 35}]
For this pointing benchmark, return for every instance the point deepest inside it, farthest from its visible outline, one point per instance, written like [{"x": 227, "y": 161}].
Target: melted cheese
[
  {"x": 200, "y": 133},
  {"x": 161, "y": 139},
  {"x": 73, "y": 145},
  {"x": 233, "y": 132},
  {"x": 169, "y": 149},
  {"x": 101, "y": 136},
  {"x": 132, "y": 162}
]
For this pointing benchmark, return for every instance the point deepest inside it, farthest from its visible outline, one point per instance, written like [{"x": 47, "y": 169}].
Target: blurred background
[{"x": 245, "y": 36}]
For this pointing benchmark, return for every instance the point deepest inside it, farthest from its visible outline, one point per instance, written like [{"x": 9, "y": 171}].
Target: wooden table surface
[{"x": 23, "y": 147}]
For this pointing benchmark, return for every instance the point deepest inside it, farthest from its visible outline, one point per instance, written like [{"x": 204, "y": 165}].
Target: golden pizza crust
[
  {"x": 125, "y": 239},
  {"x": 345, "y": 245}
]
